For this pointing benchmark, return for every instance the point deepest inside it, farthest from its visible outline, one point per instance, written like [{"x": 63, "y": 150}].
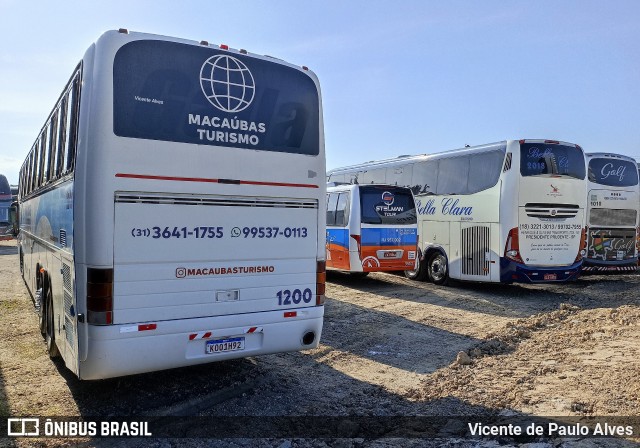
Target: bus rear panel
[{"x": 371, "y": 228}]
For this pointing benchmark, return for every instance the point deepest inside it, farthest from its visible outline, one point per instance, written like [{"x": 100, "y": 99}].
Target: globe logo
[
  {"x": 388, "y": 198},
  {"x": 227, "y": 83}
]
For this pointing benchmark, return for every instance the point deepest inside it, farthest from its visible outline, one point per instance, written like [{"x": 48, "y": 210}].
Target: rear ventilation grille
[
  {"x": 507, "y": 163},
  {"x": 132, "y": 198},
  {"x": 66, "y": 276},
  {"x": 63, "y": 238},
  {"x": 475, "y": 251},
  {"x": 551, "y": 211}
]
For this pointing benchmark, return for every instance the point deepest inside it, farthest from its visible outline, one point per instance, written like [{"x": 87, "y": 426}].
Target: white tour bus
[
  {"x": 507, "y": 212},
  {"x": 612, "y": 213},
  {"x": 172, "y": 208},
  {"x": 371, "y": 228}
]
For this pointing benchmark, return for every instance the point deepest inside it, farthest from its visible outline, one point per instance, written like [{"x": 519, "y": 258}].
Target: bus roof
[
  {"x": 610, "y": 155},
  {"x": 402, "y": 160}
]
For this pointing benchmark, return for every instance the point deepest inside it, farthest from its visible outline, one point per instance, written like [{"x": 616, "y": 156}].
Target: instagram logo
[{"x": 181, "y": 273}]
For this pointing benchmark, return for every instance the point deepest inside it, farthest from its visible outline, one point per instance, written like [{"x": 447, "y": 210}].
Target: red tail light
[
  {"x": 321, "y": 278},
  {"x": 357, "y": 238},
  {"x": 100, "y": 296},
  {"x": 582, "y": 251},
  {"x": 512, "y": 248}
]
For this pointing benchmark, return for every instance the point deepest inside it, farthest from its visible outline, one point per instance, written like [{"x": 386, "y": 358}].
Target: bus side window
[
  {"x": 484, "y": 170},
  {"x": 332, "y": 202},
  {"x": 453, "y": 175},
  {"x": 424, "y": 177},
  {"x": 342, "y": 210}
]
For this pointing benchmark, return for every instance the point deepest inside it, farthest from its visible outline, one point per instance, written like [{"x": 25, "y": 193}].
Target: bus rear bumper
[
  {"x": 119, "y": 350},
  {"x": 511, "y": 272},
  {"x": 596, "y": 266}
]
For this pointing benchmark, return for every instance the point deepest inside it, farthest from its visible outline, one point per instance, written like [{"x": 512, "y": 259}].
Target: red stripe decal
[
  {"x": 252, "y": 329},
  {"x": 290, "y": 314},
  {"x": 206, "y": 335},
  {"x": 214, "y": 181},
  {"x": 192, "y": 337}
]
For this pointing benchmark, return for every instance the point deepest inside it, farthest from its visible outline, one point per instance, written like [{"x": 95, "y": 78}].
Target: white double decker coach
[
  {"x": 173, "y": 208},
  {"x": 511, "y": 211},
  {"x": 612, "y": 213}
]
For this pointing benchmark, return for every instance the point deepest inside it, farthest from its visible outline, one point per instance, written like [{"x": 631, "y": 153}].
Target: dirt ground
[{"x": 390, "y": 347}]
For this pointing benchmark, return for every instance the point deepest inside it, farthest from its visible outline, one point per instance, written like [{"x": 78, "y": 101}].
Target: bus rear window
[
  {"x": 176, "y": 92},
  {"x": 539, "y": 159},
  {"x": 613, "y": 172},
  {"x": 387, "y": 205}
]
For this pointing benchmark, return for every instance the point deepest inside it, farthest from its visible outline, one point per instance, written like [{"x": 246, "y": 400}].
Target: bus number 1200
[{"x": 287, "y": 297}]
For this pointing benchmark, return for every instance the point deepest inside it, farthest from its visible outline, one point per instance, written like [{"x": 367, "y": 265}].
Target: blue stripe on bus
[
  {"x": 338, "y": 237},
  {"x": 381, "y": 236}
]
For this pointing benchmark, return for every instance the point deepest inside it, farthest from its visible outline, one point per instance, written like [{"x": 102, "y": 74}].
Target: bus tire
[
  {"x": 438, "y": 268},
  {"x": 50, "y": 337},
  {"x": 39, "y": 302},
  {"x": 419, "y": 273}
]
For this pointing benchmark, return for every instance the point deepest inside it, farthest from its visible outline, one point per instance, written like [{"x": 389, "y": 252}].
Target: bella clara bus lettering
[{"x": 448, "y": 206}]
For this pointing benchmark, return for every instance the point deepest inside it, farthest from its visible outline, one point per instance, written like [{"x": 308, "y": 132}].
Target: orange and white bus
[{"x": 371, "y": 228}]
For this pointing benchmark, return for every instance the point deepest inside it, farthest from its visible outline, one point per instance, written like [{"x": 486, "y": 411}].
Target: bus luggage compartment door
[{"x": 185, "y": 256}]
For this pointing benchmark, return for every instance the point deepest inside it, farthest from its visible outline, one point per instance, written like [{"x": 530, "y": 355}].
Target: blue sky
[{"x": 405, "y": 77}]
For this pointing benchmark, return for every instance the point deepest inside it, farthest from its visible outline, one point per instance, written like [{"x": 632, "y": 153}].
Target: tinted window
[
  {"x": 194, "y": 94},
  {"x": 613, "y": 172},
  {"x": 425, "y": 177},
  {"x": 540, "y": 158},
  {"x": 375, "y": 176},
  {"x": 4, "y": 186},
  {"x": 387, "y": 205},
  {"x": 342, "y": 210},
  {"x": 485, "y": 169},
  {"x": 453, "y": 175},
  {"x": 332, "y": 202}
]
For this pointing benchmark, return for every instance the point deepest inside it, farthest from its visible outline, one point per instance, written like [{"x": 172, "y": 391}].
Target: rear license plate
[
  {"x": 224, "y": 345},
  {"x": 551, "y": 276}
]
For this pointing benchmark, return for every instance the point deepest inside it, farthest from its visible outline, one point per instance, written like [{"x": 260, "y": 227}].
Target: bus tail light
[
  {"x": 100, "y": 296},
  {"x": 512, "y": 248},
  {"x": 637, "y": 241},
  {"x": 582, "y": 251},
  {"x": 321, "y": 279},
  {"x": 357, "y": 238}
]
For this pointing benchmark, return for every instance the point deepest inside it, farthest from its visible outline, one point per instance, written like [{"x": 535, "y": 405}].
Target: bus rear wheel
[
  {"x": 50, "y": 337},
  {"x": 438, "y": 269},
  {"x": 419, "y": 273}
]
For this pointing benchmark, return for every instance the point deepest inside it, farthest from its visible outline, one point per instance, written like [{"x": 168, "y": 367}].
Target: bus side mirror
[{"x": 14, "y": 218}]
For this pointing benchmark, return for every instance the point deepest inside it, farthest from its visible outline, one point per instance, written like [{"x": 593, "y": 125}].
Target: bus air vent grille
[
  {"x": 66, "y": 276},
  {"x": 226, "y": 201},
  {"x": 475, "y": 250},
  {"x": 507, "y": 163},
  {"x": 551, "y": 211}
]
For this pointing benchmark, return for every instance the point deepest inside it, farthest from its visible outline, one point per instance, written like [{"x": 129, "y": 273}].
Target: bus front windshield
[
  {"x": 387, "y": 205},
  {"x": 613, "y": 172},
  {"x": 551, "y": 159}
]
